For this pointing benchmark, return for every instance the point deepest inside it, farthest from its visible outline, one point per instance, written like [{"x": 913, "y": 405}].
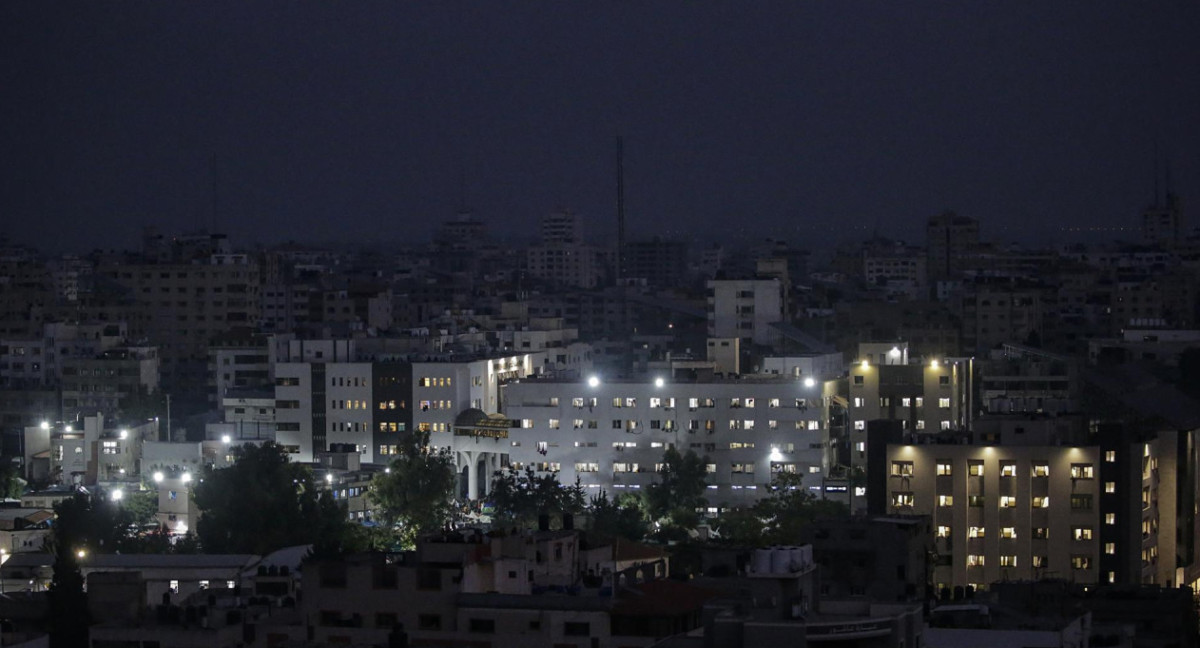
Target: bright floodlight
[
  {"x": 81, "y": 553},
  {"x": 776, "y": 455},
  {"x": 894, "y": 352},
  {"x": 124, "y": 434},
  {"x": 593, "y": 382},
  {"x": 45, "y": 425},
  {"x": 69, "y": 428},
  {"x": 659, "y": 382},
  {"x": 866, "y": 365},
  {"x": 158, "y": 477},
  {"x": 225, "y": 438},
  {"x": 809, "y": 382},
  {"x": 934, "y": 364},
  {"x": 329, "y": 477},
  {"x": 187, "y": 477},
  {"x": 118, "y": 495}
]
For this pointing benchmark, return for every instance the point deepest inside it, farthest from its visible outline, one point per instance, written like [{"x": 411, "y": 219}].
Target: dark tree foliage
[
  {"x": 416, "y": 491},
  {"x": 781, "y": 516},
  {"x": 74, "y": 530},
  {"x": 11, "y": 484},
  {"x": 520, "y": 497},
  {"x": 263, "y": 502},
  {"x": 677, "y": 498},
  {"x": 621, "y": 517}
]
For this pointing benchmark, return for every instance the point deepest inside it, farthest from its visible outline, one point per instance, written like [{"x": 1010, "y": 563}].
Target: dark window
[
  {"x": 429, "y": 622},
  {"x": 385, "y": 619},
  {"x": 429, "y": 579},
  {"x": 487, "y": 626}
]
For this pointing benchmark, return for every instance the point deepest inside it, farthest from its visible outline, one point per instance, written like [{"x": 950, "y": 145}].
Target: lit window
[
  {"x": 975, "y": 468},
  {"x": 1041, "y": 502},
  {"x": 974, "y": 560},
  {"x": 1110, "y": 548},
  {"x": 1008, "y": 469},
  {"x": 1008, "y": 561},
  {"x": 902, "y": 469},
  {"x": 1082, "y": 533},
  {"x": 1041, "y": 469},
  {"x": 1110, "y": 456},
  {"x": 1081, "y": 471},
  {"x": 944, "y": 468},
  {"x": 902, "y": 499},
  {"x": 860, "y": 425},
  {"x": 1008, "y": 501},
  {"x": 1110, "y": 487},
  {"x": 1110, "y": 518},
  {"x": 1008, "y": 532},
  {"x": 1081, "y": 562},
  {"x": 945, "y": 500},
  {"x": 975, "y": 532},
  {"x": 944, "y": 403},
  {"x": 943, "y": 531}
]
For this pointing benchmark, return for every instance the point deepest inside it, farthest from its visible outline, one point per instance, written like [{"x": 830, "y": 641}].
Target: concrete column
[{"x": 472, "y": 476}]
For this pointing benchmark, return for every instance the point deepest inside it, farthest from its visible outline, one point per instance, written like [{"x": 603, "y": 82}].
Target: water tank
[
  {"x": 762, "y": 561},
  {"x": 780, "y": 557}
]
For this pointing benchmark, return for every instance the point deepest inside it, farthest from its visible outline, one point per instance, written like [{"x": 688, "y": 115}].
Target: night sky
[{"x": 345, "y": 121}]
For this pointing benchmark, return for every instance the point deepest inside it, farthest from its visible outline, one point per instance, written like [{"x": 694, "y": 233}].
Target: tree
[
  {"x": 11, "y": 484},
  {"x": 263, "y": 502},
  {"x": 789, "y": 507},
  {"x": 415, "y": 494},
  {"x": 677, "y": 498},
  {"x": 75, "y": 530},
  {"x": 519, "y": 498},
  {"x": 622, "y": 517}
]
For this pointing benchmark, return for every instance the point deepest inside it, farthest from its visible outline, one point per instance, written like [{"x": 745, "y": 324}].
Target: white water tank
[{"x": 762, "y": 561}]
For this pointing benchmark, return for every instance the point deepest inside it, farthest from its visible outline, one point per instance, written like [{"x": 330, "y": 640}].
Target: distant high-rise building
[
  {"x": 562, "y": 227},
  {"x": 948, "y": 237},
  {"x": 1162, "y": 223}
]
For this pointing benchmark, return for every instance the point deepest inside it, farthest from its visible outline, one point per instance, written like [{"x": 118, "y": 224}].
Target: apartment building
[
  {"x": 999, "y": 512},
  {"x": 746, "y": 309},
  {"x": 182, "y": 306},
  {"x": 612, "y": 434},
  {"x": 924, "y": 397},
  {"x": 1017, "y": 378},
  {"x": 109, "y": 382},
  {"x": 948, "y": 238}
]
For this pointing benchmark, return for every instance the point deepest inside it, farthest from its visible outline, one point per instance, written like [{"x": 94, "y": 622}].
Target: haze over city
[{"x": 376, "y": 120}]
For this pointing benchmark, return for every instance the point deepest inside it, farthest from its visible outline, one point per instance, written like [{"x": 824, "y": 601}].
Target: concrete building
[
  {"x": 746, "y": 309},
  {"x": 86, "y": 453},
  {"x": 999, "y": 512},
  {"x": 612, "y": 434},
  {"x": 948, "y": 238},
  {"x": 923, "y": 397},
  {"x": 109, "y": 383}
]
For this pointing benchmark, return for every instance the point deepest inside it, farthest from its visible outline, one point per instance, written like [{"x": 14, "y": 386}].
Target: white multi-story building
[
  {"x": 746, "y": 309},
  {"x": 612, "y": 434}
]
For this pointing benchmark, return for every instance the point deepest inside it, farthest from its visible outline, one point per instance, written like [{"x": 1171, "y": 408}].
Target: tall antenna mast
[
  {"x": 212, "y": 174},
  {"x": 620, "y": 206}
]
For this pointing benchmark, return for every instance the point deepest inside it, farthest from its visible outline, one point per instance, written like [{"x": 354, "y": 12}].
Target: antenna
[
  {"x": 620, "y": 205},
  {"x": 212, "y": 174}
]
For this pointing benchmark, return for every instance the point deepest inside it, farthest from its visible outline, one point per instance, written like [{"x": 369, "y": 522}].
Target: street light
[
  {"x": 158, "y": 477},
  {"x": 593, "y": 381},
  {"x": 776, "y": 455},
  {"x": 187, "y": 477},
  {"x": 934, "y": 363},
  {"x": 45, "y": 425},
  {"x": 329, "y": 477},
  {"x": 659, "y": 382},
  {"x": 124, "y": 434},
  {"x": 809, "y": 382},
  {"x": 226, "y": 439},
  {"x": 118, "y": 495}
]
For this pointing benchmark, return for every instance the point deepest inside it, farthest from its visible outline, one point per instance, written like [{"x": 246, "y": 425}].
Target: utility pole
[{"x": 168, "y": 418}]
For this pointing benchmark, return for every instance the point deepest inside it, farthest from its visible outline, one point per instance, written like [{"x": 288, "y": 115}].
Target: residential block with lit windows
[
  {"x": 923, "y": 396},
  {"x": 1101, "y": 505}
]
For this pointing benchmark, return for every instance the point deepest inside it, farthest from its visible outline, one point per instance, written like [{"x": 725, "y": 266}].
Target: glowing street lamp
[
  {"x": 809, "y": 382},
  {"x": 118, "y": 495},
  {"x": 593, "y": 381},
  {"x": 158, "y": 477},
  {"x": 187, "y": 477},
  {"x": 659, "y": 382}
]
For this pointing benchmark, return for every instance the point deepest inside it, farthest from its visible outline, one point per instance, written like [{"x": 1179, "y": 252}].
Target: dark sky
[{"x": 356, "y": 120}]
